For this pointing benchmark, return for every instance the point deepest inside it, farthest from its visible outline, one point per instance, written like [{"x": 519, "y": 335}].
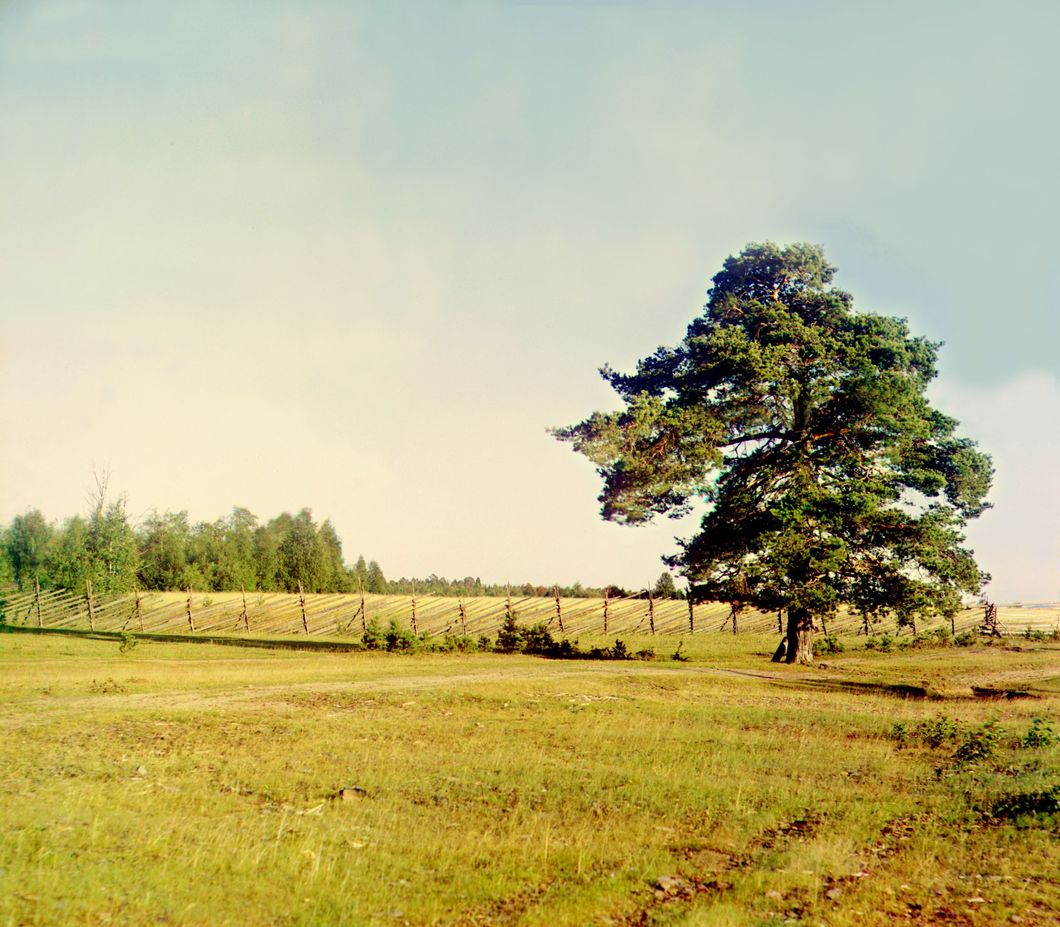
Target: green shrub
[
  {"x": 373, "y": 637},
  {"x": 510, "y": 636},
  {"x": 966, "y": 639},
  {"x": 398, "y": 638},
  {"x": 938, "y": 731},
  {"x": 827, "y": 645},
  {"x": 980, "y": 743},
  {"x": 537, "y": 640},
  {"x": 1040, "y": 735},
  {"x": 1043, "y": 806},
  {"x": 933, "y": 733},
  {"x": 939, "y": 637},
  {"x": 884, "y": 643},
  {"x": 900, "y": 732},
  {"x": 458, "y": 643}
]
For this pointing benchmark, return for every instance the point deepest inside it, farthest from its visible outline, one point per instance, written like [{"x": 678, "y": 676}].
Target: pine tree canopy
[{"x": 804, "y": 426}]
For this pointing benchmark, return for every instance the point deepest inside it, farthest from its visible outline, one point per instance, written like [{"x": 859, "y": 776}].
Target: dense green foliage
[
  {"x": 168, "y": 551},
  {"x": 804, "y": 427}
]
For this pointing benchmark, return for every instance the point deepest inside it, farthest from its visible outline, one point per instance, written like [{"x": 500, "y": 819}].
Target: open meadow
[{"x": 195, "y": 784}]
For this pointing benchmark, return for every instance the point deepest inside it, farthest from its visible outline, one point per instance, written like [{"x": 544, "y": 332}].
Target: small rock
[
  {"x": 350, "y": 792},
  {"x": 833, "y": 893},
  {"x": 1016, "y": 919},
  {"x": 141, "y": 771},
  {"x": 668, "y": 884},
  {"x": 977, "y": 900}
]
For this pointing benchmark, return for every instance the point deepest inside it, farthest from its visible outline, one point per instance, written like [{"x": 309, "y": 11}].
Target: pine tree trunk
[{"x": 800, "y": 637}]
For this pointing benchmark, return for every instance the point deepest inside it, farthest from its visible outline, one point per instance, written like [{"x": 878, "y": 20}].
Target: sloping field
[
  {"x": 339, "y": 615},
  {"x": 182, "y": 784}
]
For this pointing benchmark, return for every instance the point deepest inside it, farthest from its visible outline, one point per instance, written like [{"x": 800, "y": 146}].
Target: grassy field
[{"x": 197, "y": 784}]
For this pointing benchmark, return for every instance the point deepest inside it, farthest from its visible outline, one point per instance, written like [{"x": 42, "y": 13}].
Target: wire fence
[{"x": 344, "y": 615}]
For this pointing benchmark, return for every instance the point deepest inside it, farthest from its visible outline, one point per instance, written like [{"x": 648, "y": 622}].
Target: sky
[{"x": 359, "y": 257}]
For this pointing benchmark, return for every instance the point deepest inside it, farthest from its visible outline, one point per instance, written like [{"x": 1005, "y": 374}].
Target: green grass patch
[{"x": 173, "y": 783}]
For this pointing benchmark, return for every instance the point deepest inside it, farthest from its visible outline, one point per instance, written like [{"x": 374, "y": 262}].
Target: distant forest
[{"x": 168, "y": 552}]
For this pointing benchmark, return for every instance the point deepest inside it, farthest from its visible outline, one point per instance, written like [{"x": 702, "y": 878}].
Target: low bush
[
  {"x": 884, "y": 643},
  {"x": 537, "y": 640},
  {"x": 828, "y": 644},
  {"x": 939, "y": 637},
  {"x": 932, "y": 733},
  {"x": 373, "y": 637},
  {"x": 399, "y": 638},
  {"x": 457, "y": 643},
  {"x": 980, "y": 743},
  {"x": 1038, "y": 806},
  {"x": 1039, "y": 736}
]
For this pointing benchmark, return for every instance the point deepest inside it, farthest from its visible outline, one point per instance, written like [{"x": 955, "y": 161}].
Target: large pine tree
[{"x": 828, "y": 477}]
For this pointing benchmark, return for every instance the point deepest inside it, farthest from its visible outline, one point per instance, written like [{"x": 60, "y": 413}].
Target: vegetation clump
[
  {"x": 829, "y": 644},
  {"x": 972, "y": 744},
  {"x": 536, "y": 640},
  {"x": 1033, "y": 807}
]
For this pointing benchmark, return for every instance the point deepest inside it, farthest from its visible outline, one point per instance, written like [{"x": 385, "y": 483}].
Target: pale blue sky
[{"x": 359, "y": 256}]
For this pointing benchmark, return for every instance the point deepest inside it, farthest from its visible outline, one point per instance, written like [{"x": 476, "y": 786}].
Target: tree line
[{"x": 167, "y": 551}]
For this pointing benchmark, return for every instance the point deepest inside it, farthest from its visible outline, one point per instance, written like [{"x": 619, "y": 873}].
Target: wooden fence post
[
  {"x": 463, "y": 616},
  {"x": 364, "y": 617},
  {"x": 559, "y": 610},
  {"x": 415, "y": 629},
  {"x": 91, "y": 608},
  {"x": 191, "y": 617},
  {"x": 991, "y": 625},
  {"x": 508, "y": 605},
  {"x": 245, "y": 615},
  {"x": 651, "y": 611},
  {"x": 733, "y": 612},
  {"x": 606, "y": 603},
  {"x": 139, "y": 610},
  {"x": 691, "y": 615},
  {"x": 36, "y": 592},
  {"x": 301, "y": 602}
]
